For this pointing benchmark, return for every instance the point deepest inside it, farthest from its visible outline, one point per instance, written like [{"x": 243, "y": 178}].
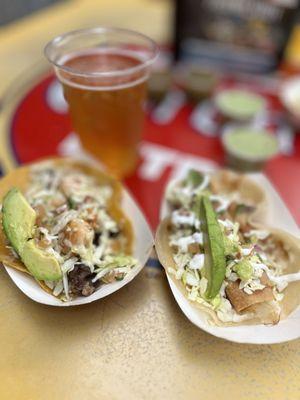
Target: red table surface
[{"x": 36, "y": 130}]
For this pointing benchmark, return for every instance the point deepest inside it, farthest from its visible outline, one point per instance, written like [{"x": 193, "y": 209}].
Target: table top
[{"x": 136, "y": 343}]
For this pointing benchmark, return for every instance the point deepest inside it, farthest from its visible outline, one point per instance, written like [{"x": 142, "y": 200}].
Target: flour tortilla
[
  {"x": 245, "y": 190},
  {"x": 228, "y": 182},
  {"x": 263, "y": 313}
]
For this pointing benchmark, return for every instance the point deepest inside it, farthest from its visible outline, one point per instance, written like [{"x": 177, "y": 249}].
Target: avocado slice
[
  {"x": 194, "y": 178},
  {"x": 18, "y": 220},
  {"x": 42, "y": 265},
  {"x": 215, "y": 261}
]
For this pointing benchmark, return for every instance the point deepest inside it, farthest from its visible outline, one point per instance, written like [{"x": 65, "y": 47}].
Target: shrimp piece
[{"x": 77, "y": 233}]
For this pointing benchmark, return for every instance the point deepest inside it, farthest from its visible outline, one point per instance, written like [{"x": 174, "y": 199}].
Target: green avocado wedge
[
  {"x": 18, "y": 220},
  {"x": 215, "y": 261},
  {"x": 42, "y": 265}
]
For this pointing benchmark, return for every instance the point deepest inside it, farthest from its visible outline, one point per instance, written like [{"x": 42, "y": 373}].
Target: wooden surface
[{"x": 136, "y": 344}]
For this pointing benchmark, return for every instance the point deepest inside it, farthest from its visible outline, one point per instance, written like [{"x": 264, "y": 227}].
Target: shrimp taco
[
  {"x": 232, "y": 195},
  {"x": 63, "y": 224},
  {"x": 232, "y": 274}
]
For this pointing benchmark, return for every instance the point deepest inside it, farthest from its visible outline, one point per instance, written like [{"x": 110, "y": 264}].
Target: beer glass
[{"x": 104, "y": 74}]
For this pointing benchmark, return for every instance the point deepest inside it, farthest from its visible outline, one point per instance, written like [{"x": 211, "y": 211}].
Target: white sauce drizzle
[
  {"x": 197, "y": 262},
  {"x": 184, "y": 242}
]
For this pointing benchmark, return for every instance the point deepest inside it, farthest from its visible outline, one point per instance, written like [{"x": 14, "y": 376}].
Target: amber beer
[{"x": 105, "y": 87}]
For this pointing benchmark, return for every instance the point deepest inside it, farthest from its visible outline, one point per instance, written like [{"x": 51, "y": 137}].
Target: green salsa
[
  {"x": 239, "y": 104},
  {"x": 250, "y": 143}
]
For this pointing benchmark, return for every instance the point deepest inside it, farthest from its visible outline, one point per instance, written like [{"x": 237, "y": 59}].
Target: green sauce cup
[
  {"x": 239, "y": 105},
  {"x": 248, "y": 149}
]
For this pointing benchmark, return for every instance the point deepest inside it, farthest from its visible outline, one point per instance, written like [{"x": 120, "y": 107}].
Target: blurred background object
[
  {"x": 14, "y": 9},
  {"x": 199, "y": 82},
  {"x": 239, "y": 35},
  {"x": 159, "y": 84},
  {"x": 239, "y": 105},
  {"x": 290, "y": 98},
  {"x": 292, "y": 53},
  {"x": 248, "y": 149}
]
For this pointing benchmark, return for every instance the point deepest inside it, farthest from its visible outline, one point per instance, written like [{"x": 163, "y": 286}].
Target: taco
[
  {"x": 232, "y": 275},
  {"x": 233, "y": 195},
  {"x": 62, "y": 223}
]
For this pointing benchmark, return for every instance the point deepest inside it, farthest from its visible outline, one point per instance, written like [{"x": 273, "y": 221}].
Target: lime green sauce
[
  {"x": 250, "y": 143},
  {"x": 239, "y": 104}
]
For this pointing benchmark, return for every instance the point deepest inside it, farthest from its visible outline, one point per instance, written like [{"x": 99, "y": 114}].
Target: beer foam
[{"x": 109, "y": 74}]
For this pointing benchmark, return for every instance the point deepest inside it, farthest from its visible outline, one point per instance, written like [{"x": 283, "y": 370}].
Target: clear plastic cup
[{"x": 104, "y": 74}]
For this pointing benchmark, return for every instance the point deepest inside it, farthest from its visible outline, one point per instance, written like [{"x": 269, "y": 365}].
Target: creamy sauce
[
  {"x": 180, "y": 219},
  {"x": 233, "y": 316},
  {"x": 184, "y": 242},
  {"x": 197, "y": 262},
  {"x": 246, "y": 252},
  {"x": 283, "y": 280},
  {"x": 204, "y": 183},
  {"x": 224, "y": 203},
  {"x": 259, "y": 234}
]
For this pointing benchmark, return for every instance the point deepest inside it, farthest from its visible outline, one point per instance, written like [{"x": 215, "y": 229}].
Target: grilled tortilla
[{"x": 106, "y": 231}]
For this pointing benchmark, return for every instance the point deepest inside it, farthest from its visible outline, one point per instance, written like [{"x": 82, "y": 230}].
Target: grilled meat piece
[{"x": 80, "y": 281}]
